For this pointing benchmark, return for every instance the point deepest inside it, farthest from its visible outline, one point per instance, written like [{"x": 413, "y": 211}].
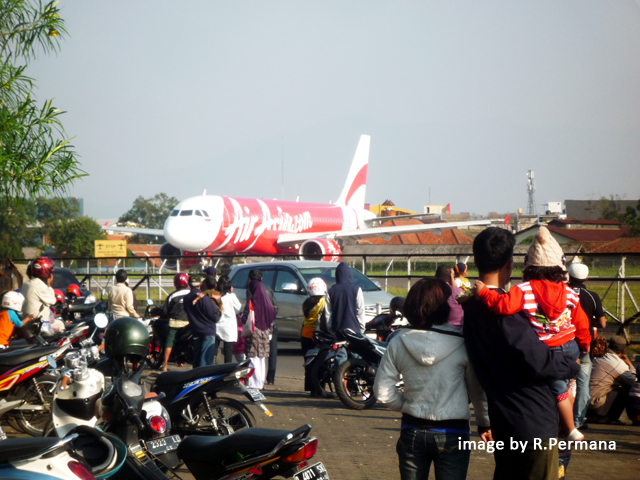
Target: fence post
[
  {"x": 364, "y": 265},
  {"x": 147, "y": 272},
  {"x": 624, "y": 284},
  {"x": 408, "y": 273},
  {"x": 89, "y": 274}
]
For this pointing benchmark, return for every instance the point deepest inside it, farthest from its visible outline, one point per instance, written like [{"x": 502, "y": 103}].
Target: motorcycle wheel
[
  {"x": 230, "y": 416},
  {"x": 321, "y": 376},
  {"x": 156, "y": 354},
  {"x": 352, "y": 387},
  {"x": 34, "y": 423}
]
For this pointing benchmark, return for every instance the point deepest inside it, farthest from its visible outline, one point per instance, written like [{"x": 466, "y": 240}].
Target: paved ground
[{"x": 359, "y": 445}]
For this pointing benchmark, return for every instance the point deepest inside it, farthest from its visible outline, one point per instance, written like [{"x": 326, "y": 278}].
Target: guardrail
[{"x": 616, "y": 278}]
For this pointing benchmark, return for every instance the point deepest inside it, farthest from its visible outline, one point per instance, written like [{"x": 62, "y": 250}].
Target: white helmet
[
  {"x": 13, "y": 301},
  {"x": 317, "y": 287}
]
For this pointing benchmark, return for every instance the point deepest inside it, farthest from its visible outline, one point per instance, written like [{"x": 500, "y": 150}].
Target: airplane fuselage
[{"x": 215, "y": 224}]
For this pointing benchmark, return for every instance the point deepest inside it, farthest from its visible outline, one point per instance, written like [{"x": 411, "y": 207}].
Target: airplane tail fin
[
  {"x": 447, "y": 209},
  {"x": 356, "y": 184}
]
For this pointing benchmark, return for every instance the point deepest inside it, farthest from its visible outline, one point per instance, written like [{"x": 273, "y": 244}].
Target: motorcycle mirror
[
  {"x": 100, "y": 320},
  {"x": 149, "y": 302},
  {"x": 52, "y": 361}
]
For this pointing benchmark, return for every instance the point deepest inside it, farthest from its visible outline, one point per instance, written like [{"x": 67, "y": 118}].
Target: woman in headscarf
[{"x": 257, "y": 346}]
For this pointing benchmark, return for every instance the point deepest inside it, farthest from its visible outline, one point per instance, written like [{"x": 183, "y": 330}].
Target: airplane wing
[
  {"x": 139, "y": 231},
  {"x": 291, "y": 239}
]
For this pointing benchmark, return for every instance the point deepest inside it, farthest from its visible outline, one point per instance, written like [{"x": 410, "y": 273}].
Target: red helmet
[
  {"x": 181, "y": 280},
  {"x": 42, "y": 267},
  {"x": 59, "y": 296},
  {"x": 74, "y": 289}
]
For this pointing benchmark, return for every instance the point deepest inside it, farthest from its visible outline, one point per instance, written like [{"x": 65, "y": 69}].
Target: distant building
[
  {"x": 449, "y": 236},
  {"x": 438, "y": 209},
  {"x": 592, "y": 209},
  {"x": 578, "y": 231},
  {"x": 388, "y": 209}
]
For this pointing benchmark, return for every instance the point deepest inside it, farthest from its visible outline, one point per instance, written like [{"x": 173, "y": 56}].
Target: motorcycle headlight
[{"x": 90, "y": 299}]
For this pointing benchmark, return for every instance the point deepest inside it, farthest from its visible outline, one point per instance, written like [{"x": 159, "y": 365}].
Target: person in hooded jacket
[
  {"x": 347, "y": 303},
  {"x": 438, "y": 377}
]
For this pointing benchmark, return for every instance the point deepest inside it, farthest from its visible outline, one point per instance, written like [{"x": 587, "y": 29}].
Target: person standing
[
  {"x": 514, "y": 368},
  {"x": 121, "y": 297},
  {"x": 592, "y": 306},
  {"x": 226, "y": 330},
  {"x": 314, "y": 310},
  {"x": 438, "y": 378},
  {"x": 257, "y": 346},
  {"x": 445, "y": 274},
  {"x": 203, "y": 316},
  {"x": 347, "y": 302},
  {"x": 461, "y": 270},
  {"x": 175, "y": 312}
]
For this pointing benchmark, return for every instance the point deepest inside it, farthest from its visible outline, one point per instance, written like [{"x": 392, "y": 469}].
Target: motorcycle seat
[
  {"x": 215, "y": 450},
  {"x": 23, "y": 355},
  {"x": 172, "y": 378},
  {"x": 15, "y": 448}
]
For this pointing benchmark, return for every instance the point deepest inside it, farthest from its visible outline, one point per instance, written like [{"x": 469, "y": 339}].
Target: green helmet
[{"x": 126, "y": 336}]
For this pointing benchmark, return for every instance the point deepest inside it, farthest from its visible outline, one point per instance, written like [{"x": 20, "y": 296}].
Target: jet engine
[{"x": 320, "y": 249}]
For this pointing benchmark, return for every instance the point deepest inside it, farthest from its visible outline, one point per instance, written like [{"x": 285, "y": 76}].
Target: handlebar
[{"x": 64, "y": 382}]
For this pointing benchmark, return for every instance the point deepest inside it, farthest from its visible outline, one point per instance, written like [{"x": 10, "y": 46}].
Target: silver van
[{"x": 288, "y": 280}]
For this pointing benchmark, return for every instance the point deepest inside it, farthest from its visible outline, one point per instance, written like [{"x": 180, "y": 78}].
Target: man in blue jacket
[
  {"x": 203, "y": 316},
  {"x": 514, "y": 368}
]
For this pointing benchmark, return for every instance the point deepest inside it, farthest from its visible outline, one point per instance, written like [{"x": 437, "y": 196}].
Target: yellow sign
[{"x": 111, "y": 248}]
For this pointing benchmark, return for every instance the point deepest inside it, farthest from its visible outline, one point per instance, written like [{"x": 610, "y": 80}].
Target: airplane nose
[{"x": 186, "y": 233}]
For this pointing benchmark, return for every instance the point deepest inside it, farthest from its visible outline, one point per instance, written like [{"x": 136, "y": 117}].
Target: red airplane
[{"x": 211, "y": 224}]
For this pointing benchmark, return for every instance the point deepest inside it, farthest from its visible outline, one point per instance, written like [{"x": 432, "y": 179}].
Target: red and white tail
[{"x": 356, "y": 184}]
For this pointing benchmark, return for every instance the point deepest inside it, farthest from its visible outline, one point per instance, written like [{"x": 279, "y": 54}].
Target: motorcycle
[
  {"x": 354, "y": 378},
  {"x": 383, "y": 325},
  {"x": 192, "y": 399},
  {"x": 25, "y": 389},
  {"x": 85, "y": 453},
  {"x": 321, "y": 362},
  {"x": 182, "y": 350}
]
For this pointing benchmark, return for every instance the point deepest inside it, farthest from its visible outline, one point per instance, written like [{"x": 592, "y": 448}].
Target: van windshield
[{"x": 329, "y": 277}]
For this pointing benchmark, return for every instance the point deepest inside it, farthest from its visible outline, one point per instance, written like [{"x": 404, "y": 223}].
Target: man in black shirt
[
  {"x": 592, "y": 306},
  {"x": 514, "y": 368}
]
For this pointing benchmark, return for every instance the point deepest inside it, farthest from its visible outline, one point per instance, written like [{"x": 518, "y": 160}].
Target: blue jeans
[
  {"x": 203, "y": 350},
  {"x": 583, "y": 397},
  {"x": 570, "y": 351},
  {"x": 417, "y": 448}
]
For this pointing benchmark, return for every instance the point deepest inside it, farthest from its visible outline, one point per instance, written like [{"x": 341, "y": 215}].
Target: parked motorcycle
[
  {"x": 321, "y": 362},
  {"x": 25, "y": 389},
  {"x": 354, "y": 378},
  {"x": 182, "y": 350},
  {"x": 85, "y": 454},
  {"x": 194, "y": 405}
]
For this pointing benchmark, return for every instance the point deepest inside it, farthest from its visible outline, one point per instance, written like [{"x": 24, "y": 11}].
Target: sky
[{"x": 460, "y": 98}]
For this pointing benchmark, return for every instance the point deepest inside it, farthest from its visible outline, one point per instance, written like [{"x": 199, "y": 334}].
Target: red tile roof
[
  {"x": 142, "y": 250},
  {"x": 621, "y": 245},
  {"x": 587, "y": 234},
  {"x": 584, "y": 222},
  {"x": 449, "y": 236}
]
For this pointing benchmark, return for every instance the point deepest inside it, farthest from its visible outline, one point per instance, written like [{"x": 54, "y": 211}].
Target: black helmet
[
  {"x": 396, "y": 304},
  {"x": 126, "y": 336}
]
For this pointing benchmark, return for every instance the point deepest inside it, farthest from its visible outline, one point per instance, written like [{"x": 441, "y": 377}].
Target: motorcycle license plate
[
  {"x": 163, "y": 445},
  {"x": 255, "y": 394},
  {"x": 314, "y": 472}
]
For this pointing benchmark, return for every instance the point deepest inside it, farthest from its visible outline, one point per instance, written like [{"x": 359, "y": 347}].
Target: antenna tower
[{"x": 531, "y": 191}]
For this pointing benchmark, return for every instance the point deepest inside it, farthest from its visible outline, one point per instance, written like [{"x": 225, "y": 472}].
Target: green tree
[
  {"x": 149, "y": 213},
  {"x": 75, "y": 238},
  {"x": 17, "y": 226},
  {"x": 35, "y": 156},
  {"x": 51, "y": 211}
]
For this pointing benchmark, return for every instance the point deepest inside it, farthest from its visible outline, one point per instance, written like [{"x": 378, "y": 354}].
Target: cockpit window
[
  {"x": 198, "y": 213},
  {"x": 175, "y": 213},
  {"x": 205, "y": 213},
  {"x": 186, "y": 213}
]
